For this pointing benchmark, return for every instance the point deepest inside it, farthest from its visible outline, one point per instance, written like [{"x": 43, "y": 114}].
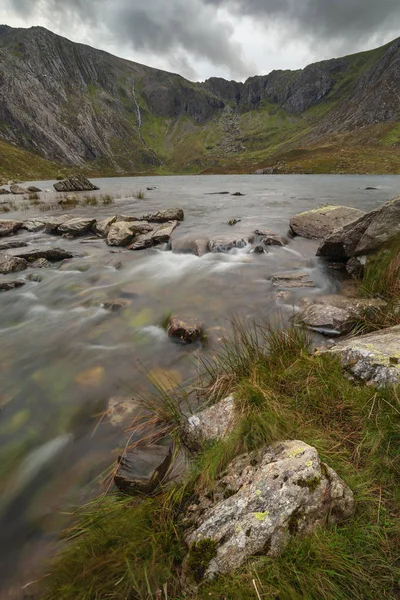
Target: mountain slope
[{"x": 85, "y": 108}]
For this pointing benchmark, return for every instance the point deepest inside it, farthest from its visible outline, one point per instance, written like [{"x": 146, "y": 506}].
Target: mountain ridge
[{"x": 84, "y": 108}]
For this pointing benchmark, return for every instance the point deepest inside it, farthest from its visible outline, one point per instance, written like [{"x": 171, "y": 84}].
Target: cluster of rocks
[{"x": 259, "y": 240}]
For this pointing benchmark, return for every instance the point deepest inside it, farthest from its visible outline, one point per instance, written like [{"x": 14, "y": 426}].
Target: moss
[
  {"x": 200, "y": 555},
  {"x": 293, "y": 523},
  {"x": 311, "y": 484}
]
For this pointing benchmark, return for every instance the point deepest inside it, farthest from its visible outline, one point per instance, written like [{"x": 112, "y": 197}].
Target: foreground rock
[
  {"x": 211, "y": 424},
  {"x": 265, "y": 498},
  {"x": 6, "y": 286},
  {"x": 320, "y": 222},
  {"x": 12, "y": 244},
  {"x": 102, "y": 228},
  {"x": 122, "y": 234},
  {"x": 365, "y": 235},
  {"x": 17, "y": 189},
  {"x": 185, "y": 332},
  {"x": 76, "y": 227},
  {"x": 75, "y": 183},
  {"x": 162, "y": 216},
  {"x": 9, "y": 227},
  {"x": 11, "y": 264},
  {"x": 160, "y": 235},
  {"x": 374, "y": 358},
  {"x": 51, "y": 254},
  {"x": 190, "y": 245},
  {"x": 142, "y": 470},
  {"x": 293, "y": 279},
  {"x": 225, "y": 244}
]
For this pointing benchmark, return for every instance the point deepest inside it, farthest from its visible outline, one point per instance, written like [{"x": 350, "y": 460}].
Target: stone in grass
[
  {"x": 293, "y": 279},
  {"x": 143, "y": 469},
  {"x": 210, "y": 424},
  {"x": 326, "y": 319},
  {"x": 264, "y": 499},
  {"x": 184, "y": 332}
]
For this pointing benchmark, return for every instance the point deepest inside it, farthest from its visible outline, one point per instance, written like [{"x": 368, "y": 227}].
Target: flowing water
[{"x": 62, "y": 356}]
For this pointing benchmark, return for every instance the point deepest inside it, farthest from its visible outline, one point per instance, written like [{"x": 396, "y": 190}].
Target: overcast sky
[{"x": 227, "y": 38}]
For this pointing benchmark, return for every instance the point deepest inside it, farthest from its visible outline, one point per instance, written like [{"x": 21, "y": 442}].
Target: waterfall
[{"x": 139, "y": 116}]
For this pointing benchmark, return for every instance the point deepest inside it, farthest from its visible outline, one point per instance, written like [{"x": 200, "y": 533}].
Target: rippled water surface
[{"x": 62, "y": 356}]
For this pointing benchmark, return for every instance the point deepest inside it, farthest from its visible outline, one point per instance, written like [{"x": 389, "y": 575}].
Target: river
[{"x": 62, "y": 356}]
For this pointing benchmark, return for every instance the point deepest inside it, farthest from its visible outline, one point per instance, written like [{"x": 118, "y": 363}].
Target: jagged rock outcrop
[{"x": 75, "y": 183}]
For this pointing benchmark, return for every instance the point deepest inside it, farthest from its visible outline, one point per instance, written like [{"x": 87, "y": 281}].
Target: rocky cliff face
[{"x": 75, "y": 105}]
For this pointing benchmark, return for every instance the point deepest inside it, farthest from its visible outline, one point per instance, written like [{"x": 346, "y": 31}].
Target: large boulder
[
  {"x": 374, "y": 358},
  {"x": 365, "y": 235},
  {"x": 77, "y": 226},
  {"x": 17, "y": 189},
  {"x": 293, "y": 279},
  {"x": 162, "y": 216},
  {"x": 122, "y": 234},
  {"x": 210, "y": 424},
  {"x": 11, "y": 264},
  {"x": 263, "y": 500},
  {"x": 75, "y": 183},
  {"x": 320, "y": 222},
  {"x": 160, "y": 235},
  {"x": 9, "y": 227}
]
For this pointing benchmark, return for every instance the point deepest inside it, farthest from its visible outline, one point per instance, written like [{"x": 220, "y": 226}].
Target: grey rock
[
  {"x": 77, "y": 226},
  {"x": 210, "y": 424},
  {"x": 162, "y": 216},
  {"x": 259, "y": 249},
  {"x": 33, "y": 189},
  {"x": 160, "y": 235},
  {"x": 51, "y": 224},
  {"x": 3, "y": 191},
  {"x": 320, "y": 222},
  {"x": 326, "y": 319},
  {"x": 143, "y": 469},
  {"x": 265, "y": 498},
  {"x": 225, "y": 244},
  {"x": 355, "y": 268},
  {"x": 190, "y": 244},
  {"x": 126, "y": 218},
  {"x": 185, "y": 332},
  {"x": 17, "y": 189},
  {"x": 122, "y": 234},
  {"x": 34, "y": 225},
  {"x": 75, "y": 183},
  {"x": 275, "y": 240},
  {"x": 50, "y": 253},
  {"x": 6, "y": 286},
  {"x": 115, "y": 305},
  {"x": 41, "y": 263},
  {"x": 12, "y": 244},
  {"x": 9, "y": 227},
  {"x": 366, "y": 235},
  {"x": 11, "y": 264},
  {"x": 293, "y": 279},
  {"x": 374, "y": 358}
]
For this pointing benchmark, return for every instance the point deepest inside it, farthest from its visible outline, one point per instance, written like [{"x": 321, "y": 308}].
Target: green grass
[{"x": 123, "y": 548}]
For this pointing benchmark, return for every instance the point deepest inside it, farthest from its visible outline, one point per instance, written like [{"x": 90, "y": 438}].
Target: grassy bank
[{"x": 132, "y": 548}]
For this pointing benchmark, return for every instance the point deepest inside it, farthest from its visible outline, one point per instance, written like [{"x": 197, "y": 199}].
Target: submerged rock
[
  {"x": 264, "y": 499},
  {"x": 162, "y": 216},
  {"x": 320, "y": 222},
  {"x": 210, "y": 424},
  {"x": 190, "y": 245},
  {"x": 119, "y": 409},
  {"x": 374, "y": 358},
  {"x": 143, "y": 469},
  {"x": 259, "y": 249},
  {"x": 76, "y": 227},
  {"x": 183, "y": 331},
  {"x": 293, "y": 279},
  {"x": 75, "y": 183},
  {"x": 365, "y": 235},
  {"x": 275, "y": 240},
  {"x": 11, "y": 264},
  {"x": 9, "y": 227},
  {"x": 6, "y": 286},
  {"x": 115, "y": 305}
]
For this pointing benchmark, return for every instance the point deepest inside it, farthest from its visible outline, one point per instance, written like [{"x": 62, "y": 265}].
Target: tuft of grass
[
  {"x": 106, "y": 199},
  {"x": 382, "y": 273},
  {"x": 139, "y": 195}
]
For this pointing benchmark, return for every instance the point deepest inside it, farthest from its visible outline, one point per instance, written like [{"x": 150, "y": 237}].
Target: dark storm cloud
[{"x": 189, "y": 31}]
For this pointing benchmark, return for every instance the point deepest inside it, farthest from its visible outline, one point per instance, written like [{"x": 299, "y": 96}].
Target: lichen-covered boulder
[
  {"x": 11, "y": 264},
  {"x": 374, "y": 358},
  {"x": 75, "y": 183},
  {"x": 263, "y": 499},
  {"x": 210, "y": 424},
  {"x": 320, "y": 222},
  {"x": 184, "y": 332},
  {"x": 9, "y": 227},
  {"x": 162, "y": 216}
]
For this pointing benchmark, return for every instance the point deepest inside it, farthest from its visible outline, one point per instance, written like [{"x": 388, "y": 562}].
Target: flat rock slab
[
  {"x": 9, "y": 227},
  {"x": 374, "y": 358},
  {"x": 210, "y": 424},
  {"x": 76, "y": 183},
  {"x": 162, "y": 216},
  {"x": 265, "y": 498},
  {"x": 50, "y": 254},
  {"x": 143, "y": 469},
  {"x": 77, "y": 226},
  {"x": 320, "y": 222},
  {"x": 11, "y": 264},
  {"x": 293, "y": 279},
  {"x": 6, "y": 286}
]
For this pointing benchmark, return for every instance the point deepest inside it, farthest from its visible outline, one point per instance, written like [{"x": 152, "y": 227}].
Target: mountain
[{"x": 69, "y": 106}]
